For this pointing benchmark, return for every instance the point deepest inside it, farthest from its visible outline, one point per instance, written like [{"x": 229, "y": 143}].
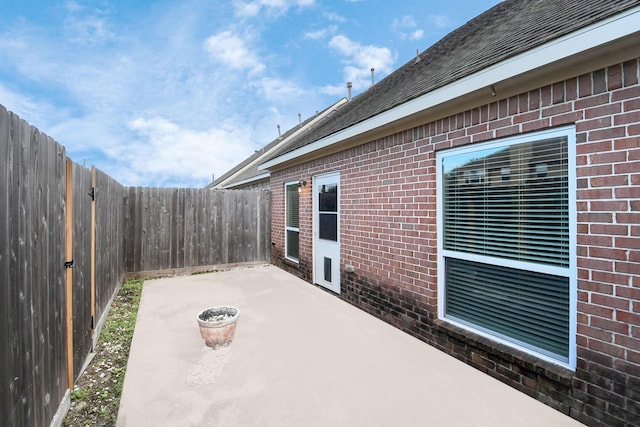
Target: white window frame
[
  {"x": 570, "y": 272},
  {"x": 286, "y": 227}
]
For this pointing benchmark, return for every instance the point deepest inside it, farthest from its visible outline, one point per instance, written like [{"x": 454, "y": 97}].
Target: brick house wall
[{"x": 388, "y": 234}]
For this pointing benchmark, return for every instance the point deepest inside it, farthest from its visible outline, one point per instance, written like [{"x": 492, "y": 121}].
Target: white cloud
[
  {"x": 83, "y": 135},
  {"x": 359, "y": 59},
  {"x": 250, "y": 9},
  {"x": 320, "y": 34},
  {"x": 158, "y": 103},
  {"x": 335, "y": 90},
  {"x": 84, "y": 25},
  {"x": 406, "y": 21},
  {"x": 440, "y": 21},
  {"x": 73, "y": 6},
  {"x": 165, "y": 151},
  {"x": 406, "y": 28},
  {"x": 89, "y": 29},
  {"x": 416, "y": 35},
  {"x": 232, "y": 50},
  {"x": 97, "y": 89},
  {"x": 82, "y": 73},
  {"x": 332, "y": 16},
  {"x": 24, "y": 106},
  {"x": 279, "y": 90}
]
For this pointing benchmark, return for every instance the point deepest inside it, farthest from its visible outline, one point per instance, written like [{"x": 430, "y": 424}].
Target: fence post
[
  {"x": 69, "y": 271},
  {"x": 93, "y": 250}
]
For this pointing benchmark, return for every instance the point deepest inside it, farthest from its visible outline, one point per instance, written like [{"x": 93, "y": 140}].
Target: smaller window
[
  {"x": 328, "y": 212},
  {"x": 292, "y": 221}
]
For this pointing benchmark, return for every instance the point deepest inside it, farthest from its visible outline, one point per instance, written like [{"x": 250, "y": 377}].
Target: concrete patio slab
[{"x": 300, "y": 357}]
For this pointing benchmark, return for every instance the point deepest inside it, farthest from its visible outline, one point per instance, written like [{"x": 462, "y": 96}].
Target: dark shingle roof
[{"x": 508, "y": 29}]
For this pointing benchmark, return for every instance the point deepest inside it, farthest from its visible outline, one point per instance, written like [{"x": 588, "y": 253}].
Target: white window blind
[
  {"x": 292, "y": 221},
  {"x": 509, "y": 202},
  {"x": 529, "y": 308},
  {"x": 505, "y": 211},
  {"x": 293, "y": 198}
]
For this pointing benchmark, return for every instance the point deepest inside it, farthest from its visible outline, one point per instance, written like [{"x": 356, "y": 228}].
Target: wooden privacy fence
[
  {"x": 49, "y": 314},
  {"x": 68, "y": 234},
  {"x": 188, "y": 229},
  {"x": 94, "y": 254}
]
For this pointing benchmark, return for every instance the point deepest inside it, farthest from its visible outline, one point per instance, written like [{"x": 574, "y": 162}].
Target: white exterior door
[{"x": 326, "y": 231}]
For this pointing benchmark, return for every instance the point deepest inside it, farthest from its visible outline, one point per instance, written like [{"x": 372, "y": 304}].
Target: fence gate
[{"x": 78, "y": 266}]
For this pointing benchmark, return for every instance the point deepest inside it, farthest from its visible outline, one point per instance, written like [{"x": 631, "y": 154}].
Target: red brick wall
[{"x": 388, "y": 233}]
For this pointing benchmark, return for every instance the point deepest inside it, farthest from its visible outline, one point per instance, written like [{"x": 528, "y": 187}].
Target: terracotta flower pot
[{"x": 218, "y": 325}]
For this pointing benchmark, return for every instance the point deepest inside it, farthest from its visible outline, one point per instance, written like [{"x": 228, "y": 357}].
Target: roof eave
[
  {"x": 244, "y": 182},
  {"x": 227, "y": 181},
  {"x": 558, "y": 59}
]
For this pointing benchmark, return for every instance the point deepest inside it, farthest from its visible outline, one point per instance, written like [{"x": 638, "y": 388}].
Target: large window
[
  {"x": 292, "y": 221},
  {"x": 506, "y": 245}
]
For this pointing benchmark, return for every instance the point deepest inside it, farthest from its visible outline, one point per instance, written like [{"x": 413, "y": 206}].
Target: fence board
[
  {"x": 180, "y": 230},
  {"x": 68, "y": 256},
  {"x": 152, "y": 233},
  {"x": 6, "y": 352},
  {"x": 25, "y": 282},
  {"x": 187, "y": 212},
  {"x": 37, "y": 268},
  {"x": 48, "y": 250},
  {"x": 129, "y": 220},
  {"x": 55, "y": 275},
  {"x": 220, "y": 233},
  {"x": 264, "y": 233},
  {"x": 173, "y": 230},
  {"x": 198, "y": 237},
  {"x": 82, "y": 322},
  {"x": 13, "y": 344},
  {"x": 5, "y": 378},
  {"x": 165, "y": 224},
  {"x": 110, "y": 237},
  {"x": 92, "y": 262},
  {"x": 251, "y": 243}
]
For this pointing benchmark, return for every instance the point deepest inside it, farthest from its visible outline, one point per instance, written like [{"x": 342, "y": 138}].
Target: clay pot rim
[{"x": 221, "y": 323}]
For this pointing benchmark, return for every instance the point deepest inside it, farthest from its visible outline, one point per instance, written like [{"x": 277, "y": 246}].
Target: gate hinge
[
  {"x": 92, "y": 193},
  {"x": 69, "y": 264}
]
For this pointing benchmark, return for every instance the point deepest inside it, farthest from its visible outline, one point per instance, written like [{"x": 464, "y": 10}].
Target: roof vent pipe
[
  {"x": 299, "y": 119},
  {"x": 417, "y": 56},
  {"x": 349, "y": 86},
  {"x": 373, "y": 80},
  {"x": 279, "y": 134}
]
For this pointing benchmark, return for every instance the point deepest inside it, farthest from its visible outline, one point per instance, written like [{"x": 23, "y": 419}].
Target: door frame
[{"x": 335, "y": 287}]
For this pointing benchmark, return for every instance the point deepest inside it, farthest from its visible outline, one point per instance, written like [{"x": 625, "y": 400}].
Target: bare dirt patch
[{"x": 95, "y": 399}]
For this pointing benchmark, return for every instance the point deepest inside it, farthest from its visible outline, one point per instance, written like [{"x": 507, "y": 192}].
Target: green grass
[
  {"x": 96, "y": 395},
  {"x": 78, "y": 394}
]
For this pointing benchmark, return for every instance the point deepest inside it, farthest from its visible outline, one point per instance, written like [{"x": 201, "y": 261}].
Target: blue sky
[{"x": 167, "y": 93}]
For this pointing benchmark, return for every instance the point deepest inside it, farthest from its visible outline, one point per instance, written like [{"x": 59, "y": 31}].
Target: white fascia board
[
  {"x": 247, "y": 181},
  {"x": 584, "y": 39}
]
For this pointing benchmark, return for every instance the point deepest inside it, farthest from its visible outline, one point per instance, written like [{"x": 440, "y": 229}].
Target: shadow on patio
[{"x": 300, "y": 357}]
